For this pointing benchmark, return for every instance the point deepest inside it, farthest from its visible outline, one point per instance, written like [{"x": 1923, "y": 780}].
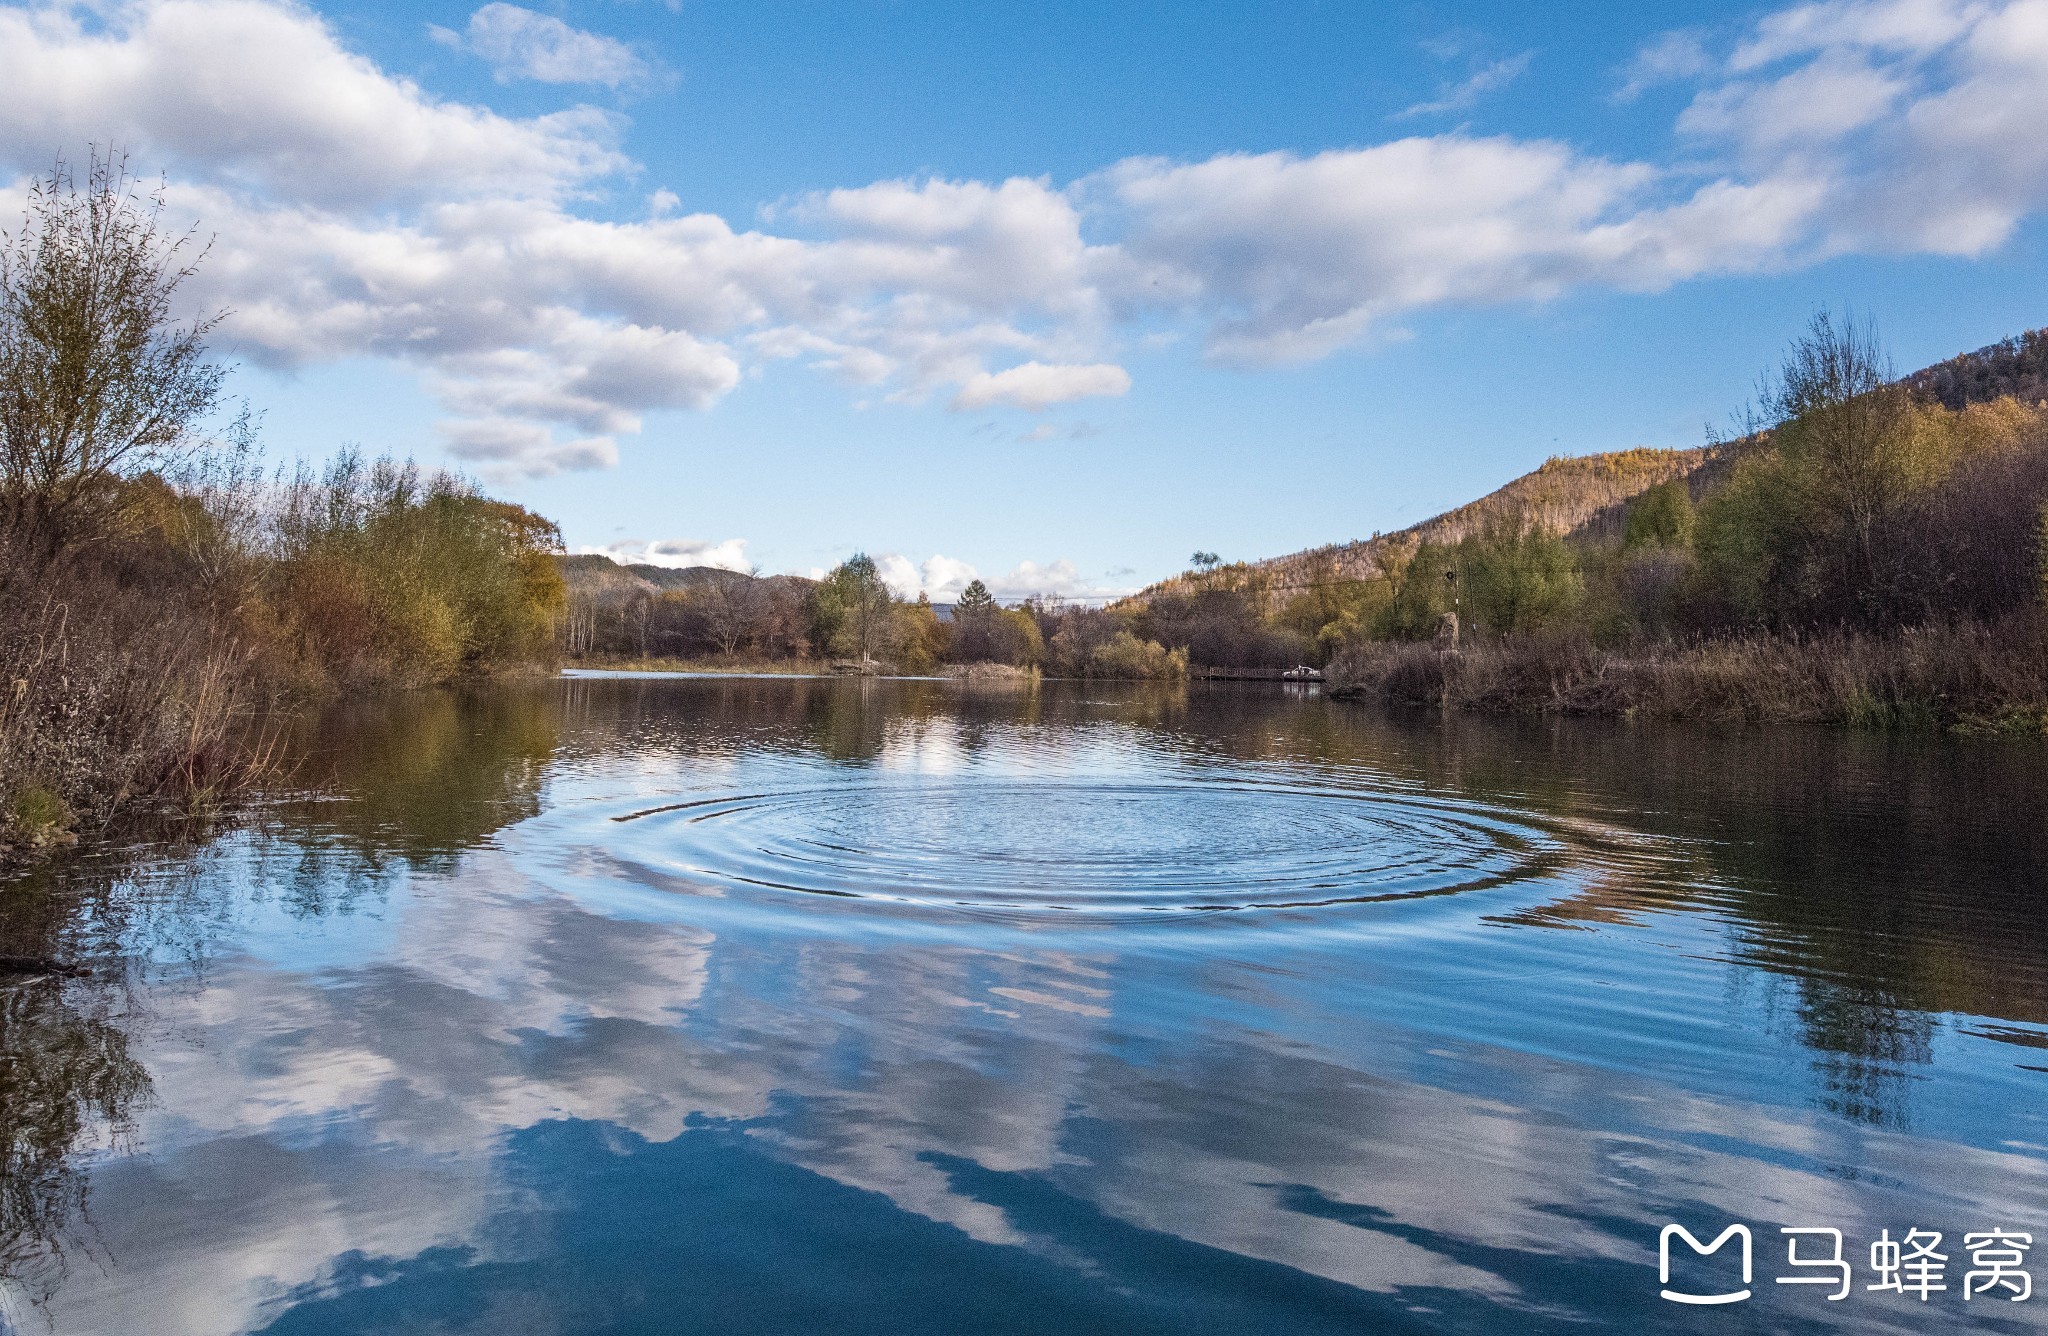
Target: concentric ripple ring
[{"x": 1062, "y": 845}]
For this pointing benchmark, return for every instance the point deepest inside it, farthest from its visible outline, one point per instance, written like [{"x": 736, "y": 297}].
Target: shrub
[
  {"x": 387, "y": 574},
  {"x": 1124, "y": 655}
]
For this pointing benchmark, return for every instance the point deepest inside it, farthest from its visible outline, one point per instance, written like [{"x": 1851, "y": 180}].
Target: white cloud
[
  {"x": 1465, "y": 94},
  {"x": 1916, "y": 117},
  {"x": 261, "y": 94},
  {"x": 942, "y": 578},
  {"x": 939, "y": 577},
  {"x": 678, "y": 553},
  {"x": 1672, "y": 58},
  {"x": 360, "y": 215},
  {"x": 1889, "y": 27},
  {"x": 1055, "y": 579},
  {"x": 520, "y": 44},
  {"x": 498, "y": 443},
  {"x": 1815, "y": 104},
  {"x": 1294, "y": 257},
  {"x": 1034, "y": 385}
]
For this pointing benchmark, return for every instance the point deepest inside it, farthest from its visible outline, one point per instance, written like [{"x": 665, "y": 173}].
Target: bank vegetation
[
  {"x": 1869, "y": 551},
  {"x": 165, "y": 597}
]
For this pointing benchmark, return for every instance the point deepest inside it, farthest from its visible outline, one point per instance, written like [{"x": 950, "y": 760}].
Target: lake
[{"x": 618, "y": 1005}]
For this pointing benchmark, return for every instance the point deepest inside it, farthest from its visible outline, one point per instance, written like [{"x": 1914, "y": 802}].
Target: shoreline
[{"x": 1966, "y": 678}]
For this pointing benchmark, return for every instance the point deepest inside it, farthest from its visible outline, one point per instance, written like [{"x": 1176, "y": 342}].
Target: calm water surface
[{"x": 753, "y": 1005}]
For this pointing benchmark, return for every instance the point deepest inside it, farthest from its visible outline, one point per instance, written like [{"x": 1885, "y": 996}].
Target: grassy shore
[
  {"x": 1965, "y": 677},
  {"x": 735, "y": 666}
]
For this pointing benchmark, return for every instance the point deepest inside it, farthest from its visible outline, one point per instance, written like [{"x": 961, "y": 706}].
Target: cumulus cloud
[
  {"x": 1034, "y": 385},
  {"x": 361, "y": 215},
  {"x": 520, "y": 44},
  {"x": 678, "y": 553},
  {"x": 938, "y": 577},
  {"x": 1294, "y": 257},
  {"x": 261, "y": 94},
  {"x": 1915, "y": 116}
]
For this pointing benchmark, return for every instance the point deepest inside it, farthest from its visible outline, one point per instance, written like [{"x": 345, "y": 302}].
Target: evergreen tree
[{"x": 974, "y": 601}]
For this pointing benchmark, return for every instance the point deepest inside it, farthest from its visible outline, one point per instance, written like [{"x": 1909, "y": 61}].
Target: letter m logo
[{"x": 1701, "y": 1249}]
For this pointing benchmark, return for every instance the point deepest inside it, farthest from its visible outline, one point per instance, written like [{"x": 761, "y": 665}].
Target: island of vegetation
[{"x": 1867, "y": 549}]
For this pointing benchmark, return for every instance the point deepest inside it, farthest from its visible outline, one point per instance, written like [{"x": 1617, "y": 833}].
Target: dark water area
[{"x": 769, "y": 1005}]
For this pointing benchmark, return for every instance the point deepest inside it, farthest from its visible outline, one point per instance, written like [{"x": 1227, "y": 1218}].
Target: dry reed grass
[{"x": 1967, "y": 676}]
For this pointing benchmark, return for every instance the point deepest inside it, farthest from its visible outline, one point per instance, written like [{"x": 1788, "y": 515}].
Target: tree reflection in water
[{"x": 68, "y": 1085}]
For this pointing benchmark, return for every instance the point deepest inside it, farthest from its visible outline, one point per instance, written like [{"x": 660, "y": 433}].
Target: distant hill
[
  {"x": 2017, "y": 366},
  {"x": 1587, "y": 494},
  {"x": 595, "y": 576},
  {"x": 1564, "y": 494},
  {"x": 589, "y": 576}
]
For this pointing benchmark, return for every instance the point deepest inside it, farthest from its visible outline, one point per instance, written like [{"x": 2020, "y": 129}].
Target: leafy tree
[
  {"x": 385, "y": 572},
  {"x": 98, "y": 381},
  {"x": 1123, "y": 655},
  {"x": 1518, "y": 579},
  {"x": 854, "y": 607},
  {"x": 1331, "y": 610},
  {"x": 919, "y": 635},
  {"x": 1421, "y": 593},
  {"x": 1746, "y": 538},
  {"x": 1660, "y": 517},
  {"x": 2043, "y": 554}
]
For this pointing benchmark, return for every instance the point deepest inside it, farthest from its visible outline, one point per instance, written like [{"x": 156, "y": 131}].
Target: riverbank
[{"x": 1965, "y": 677}]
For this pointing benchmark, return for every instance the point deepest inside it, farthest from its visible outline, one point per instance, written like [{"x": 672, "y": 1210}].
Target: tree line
[{"x": 853, "y": 619}]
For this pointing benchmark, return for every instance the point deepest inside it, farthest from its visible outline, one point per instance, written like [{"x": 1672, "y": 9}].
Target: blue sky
[{"x": 1051, "y": 293}]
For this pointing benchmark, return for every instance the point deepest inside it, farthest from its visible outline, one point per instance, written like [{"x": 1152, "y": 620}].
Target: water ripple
[{"x": 1080, "y": 847}]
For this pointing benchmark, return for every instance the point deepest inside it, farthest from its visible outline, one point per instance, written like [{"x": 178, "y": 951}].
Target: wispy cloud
[
  {"x": 1673, "y": 58},
  {"x": 520, "y": 44},
  {"x": 1464, "y": 94}
]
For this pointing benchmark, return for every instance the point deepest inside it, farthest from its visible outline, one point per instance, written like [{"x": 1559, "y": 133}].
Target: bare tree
[
  {"x": 1838, "y": 411},
  {"x": 734, "y": 607}
]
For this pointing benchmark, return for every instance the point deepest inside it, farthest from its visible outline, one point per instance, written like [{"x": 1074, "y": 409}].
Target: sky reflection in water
[{"x": 730, "y": 1005}]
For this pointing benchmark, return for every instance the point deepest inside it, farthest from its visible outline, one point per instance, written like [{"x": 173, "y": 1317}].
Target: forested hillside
[
  {"x": 1566, "y": 492},
  {"x": 1569, "y": 494},
  {"x": 2015, "y": 368}
]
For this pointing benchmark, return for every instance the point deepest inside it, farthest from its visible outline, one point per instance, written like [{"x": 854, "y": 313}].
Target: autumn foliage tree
[{"x": 98, "y": 379}]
